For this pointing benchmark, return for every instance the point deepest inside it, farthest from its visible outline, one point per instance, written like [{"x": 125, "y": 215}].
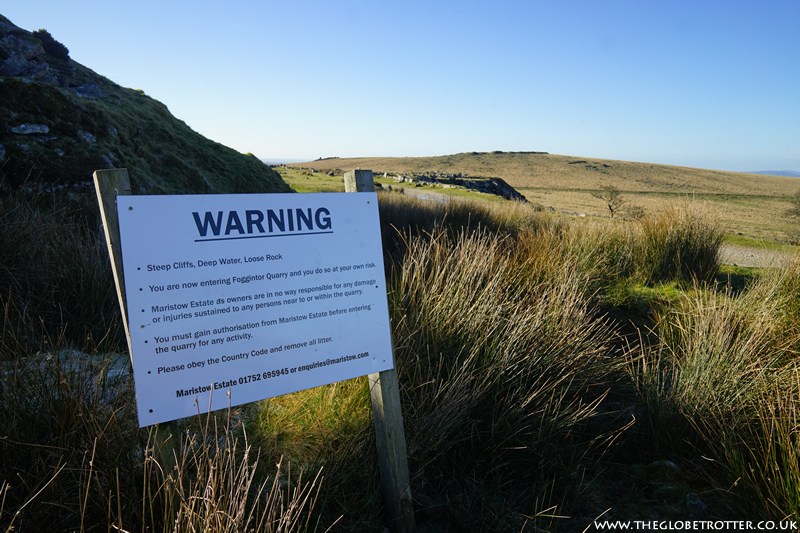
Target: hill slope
[
  {"x": 746, "y": 204},
  {"x": 60, "y": 121},
  {"x": 787, "y": 173},
  {"x": 532, "y": 170}
]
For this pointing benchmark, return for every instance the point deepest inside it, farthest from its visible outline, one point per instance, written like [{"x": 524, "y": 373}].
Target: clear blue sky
[{"x": 711, "y": 84}]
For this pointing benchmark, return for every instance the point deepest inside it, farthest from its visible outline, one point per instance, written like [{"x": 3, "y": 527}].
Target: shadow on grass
[{"x": 735, "y": 278}]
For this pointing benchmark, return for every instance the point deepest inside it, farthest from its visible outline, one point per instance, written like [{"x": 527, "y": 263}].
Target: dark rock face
[
  {"x": 23, "y": 47},
  {"x": 23, "y": 55},
  {"x": 89, "y": 90},
  {"x": 495, "y": 186}
]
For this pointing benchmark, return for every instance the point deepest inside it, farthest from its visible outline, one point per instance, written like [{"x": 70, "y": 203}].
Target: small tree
[{"x": 612, "y": 197}]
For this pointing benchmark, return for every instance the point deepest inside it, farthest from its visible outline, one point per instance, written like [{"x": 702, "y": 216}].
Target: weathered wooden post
[
  {"x": 388, "y": 419},
  {"x": 108, "y": 185}
]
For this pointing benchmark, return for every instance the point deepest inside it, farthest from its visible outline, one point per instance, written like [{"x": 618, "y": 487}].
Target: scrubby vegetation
[
  {"x": 51, "y": 46},
  {"x": 551, "y": 372}
]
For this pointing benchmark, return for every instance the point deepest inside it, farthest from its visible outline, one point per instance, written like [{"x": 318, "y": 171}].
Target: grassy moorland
[
  {"x": 551, "y": 373},
  {"x": 748, "y": 204}
]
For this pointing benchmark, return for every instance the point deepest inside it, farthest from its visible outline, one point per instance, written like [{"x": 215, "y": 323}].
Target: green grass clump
[
  {"x": 723, "y": 377},
  {"x": 497, "y": 369},
  {"x": 327, "y": 430},
  {"x": 680, "y": 242}
]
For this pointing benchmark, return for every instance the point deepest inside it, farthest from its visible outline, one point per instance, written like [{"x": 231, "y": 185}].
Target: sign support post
[
  {"x": 108, "y": 185},
  {"x": 388, "y": 419}
]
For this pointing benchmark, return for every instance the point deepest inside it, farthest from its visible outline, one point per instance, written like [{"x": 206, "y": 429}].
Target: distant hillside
[
  {"x": 787, "y": 173},
  {"x": 750, "y": 205},
  {"x": 60, "y": 121},
  {"x": 539, "y": 170}
]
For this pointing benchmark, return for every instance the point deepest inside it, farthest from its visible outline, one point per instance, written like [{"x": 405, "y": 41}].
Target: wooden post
[
  {"x": 109, "y": 184},
  {"x": 388, "y": 419}
]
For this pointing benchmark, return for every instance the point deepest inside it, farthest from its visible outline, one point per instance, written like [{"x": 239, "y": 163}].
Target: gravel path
[{"x": 752, "y": 257}]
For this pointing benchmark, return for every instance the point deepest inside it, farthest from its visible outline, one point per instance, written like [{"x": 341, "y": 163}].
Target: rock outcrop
[
  {"x": 23, "y": 55},
  {"x": 494, "y": 186}
]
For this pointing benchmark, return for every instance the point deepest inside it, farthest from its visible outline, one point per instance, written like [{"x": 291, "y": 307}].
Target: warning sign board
[{"x": 238, "y": 298}]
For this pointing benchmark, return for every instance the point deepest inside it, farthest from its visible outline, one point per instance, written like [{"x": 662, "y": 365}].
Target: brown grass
[{"x": 568, "y": 172}]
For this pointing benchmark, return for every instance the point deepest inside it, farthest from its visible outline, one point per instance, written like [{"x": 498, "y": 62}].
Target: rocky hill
[
  {"x": 528, "y": 171},
  {"x": 60, "y": 121}
]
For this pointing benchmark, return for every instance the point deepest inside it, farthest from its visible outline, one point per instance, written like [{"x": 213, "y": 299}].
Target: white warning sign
[{"x": 238, "y": 298}]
